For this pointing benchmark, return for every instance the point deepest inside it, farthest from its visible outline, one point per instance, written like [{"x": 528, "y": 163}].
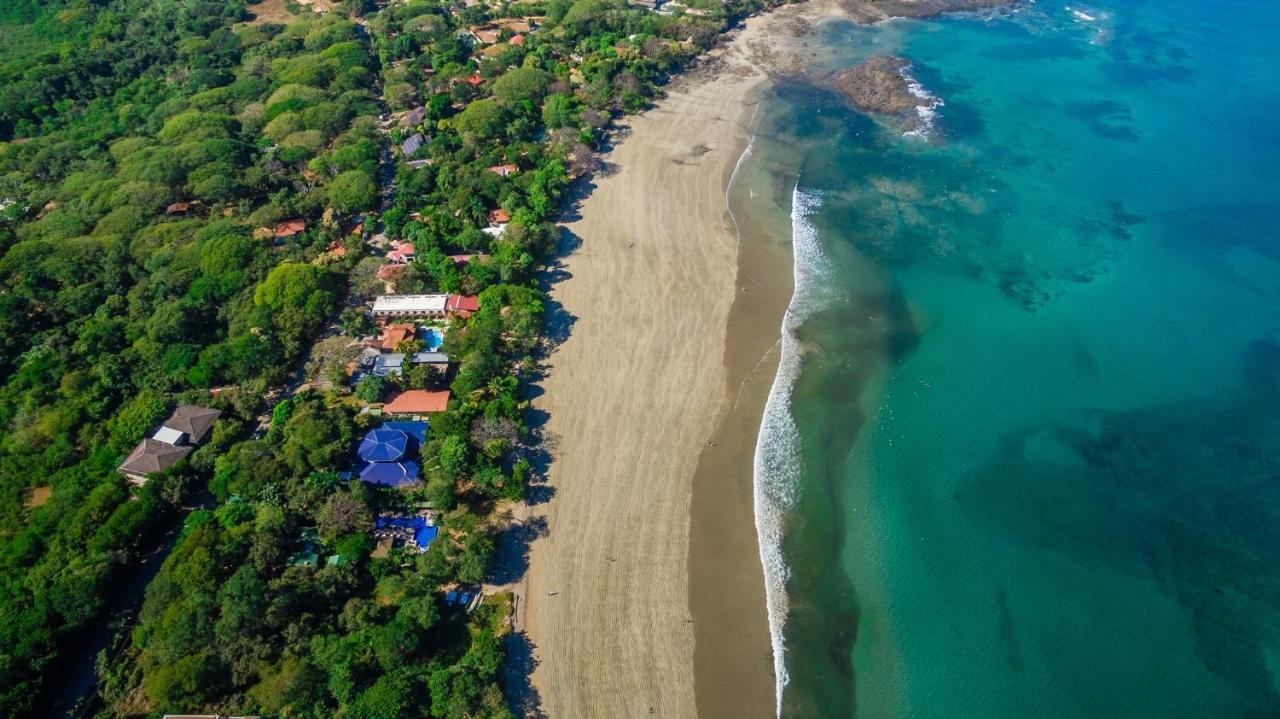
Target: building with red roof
[
  {"x": 418, "y": 401},
  {"x": 401, "y": 253},
  {"x": 504, "y": 170},
  {"x": 393, "y": 335},
  {"x": 289, "y": 228},
  {"x": 462, "y": 305}
]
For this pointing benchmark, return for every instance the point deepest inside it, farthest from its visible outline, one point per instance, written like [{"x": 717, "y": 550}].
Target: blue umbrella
[
  {"x": 389, "y": 474},
  {"x": 383, "y": 445}
]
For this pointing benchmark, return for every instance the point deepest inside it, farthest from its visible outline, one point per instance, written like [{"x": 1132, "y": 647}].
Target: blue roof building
[
  {"x": 383, "y": 445},
  {"x": 384, "y": 454},
  {"x": 417, "y": 431},
  {"x": 390, "y": 474}
]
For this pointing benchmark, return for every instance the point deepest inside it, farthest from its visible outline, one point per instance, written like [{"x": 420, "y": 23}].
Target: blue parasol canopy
[
  {"x": 390, "y": 474},
  {"x": 383, "y": 445}
]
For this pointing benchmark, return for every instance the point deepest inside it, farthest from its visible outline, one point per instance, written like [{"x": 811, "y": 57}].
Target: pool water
[{"x": 433, "y": 338}]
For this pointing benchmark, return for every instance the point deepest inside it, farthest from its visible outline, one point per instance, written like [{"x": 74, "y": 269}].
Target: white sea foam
[
  {"x": 926, "y": 110},
  {"x": 1098, "y": 20},
  {"x": 777, "y": 455},
  {"x": 1082, "y": 15},
  {"x": 746, "y": 152}
]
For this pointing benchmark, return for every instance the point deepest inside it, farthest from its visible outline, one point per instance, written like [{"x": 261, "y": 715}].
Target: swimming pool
[{"x": 433, "y": 338}]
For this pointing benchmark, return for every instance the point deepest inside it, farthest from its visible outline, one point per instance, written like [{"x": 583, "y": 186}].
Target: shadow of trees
[
  {"x": 522, "y": 696},
  {"x": 511, "y": 561},
  {"x": 511, "y": 557}
]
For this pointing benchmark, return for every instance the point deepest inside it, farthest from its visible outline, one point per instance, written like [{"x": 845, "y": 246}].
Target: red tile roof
[
  {"x": 417, "y": 401},
  {"x": 402, "y": 253},
  {"x": 393, "y": 335},
  {"x": 462, "y": 305},
  {"x": 390, "y": 272},
  {"x": 499, "y": 215},
  {"x": 504, "y": 170},
  {"x": 516, "y": 40},
  {"x": 289, "y": 228}
]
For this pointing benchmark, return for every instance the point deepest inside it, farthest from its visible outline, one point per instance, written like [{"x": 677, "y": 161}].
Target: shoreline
[
  {"x": 647, "y": 592},
  {"x": 727, "y": 590}
]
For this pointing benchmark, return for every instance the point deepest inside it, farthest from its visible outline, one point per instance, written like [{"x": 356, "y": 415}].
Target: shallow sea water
[{"x": 1038, "y": 412}]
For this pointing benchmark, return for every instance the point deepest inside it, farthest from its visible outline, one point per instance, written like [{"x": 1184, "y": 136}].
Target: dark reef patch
[
  {"x": 1186, "y": 495},
  {"x": 1106, "y": 118}
]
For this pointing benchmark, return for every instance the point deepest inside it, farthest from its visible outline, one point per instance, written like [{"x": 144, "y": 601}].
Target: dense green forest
[{"x": 147, "y": 150}]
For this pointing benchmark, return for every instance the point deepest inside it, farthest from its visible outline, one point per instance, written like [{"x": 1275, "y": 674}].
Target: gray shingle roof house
[
  {"x": 174, "y": 440},
  {"x": 149, "y": 457},
  {"x": 193, "y": 421},
  {"x": 411, "y": 144},
  {"x": 413, "y": 117}
]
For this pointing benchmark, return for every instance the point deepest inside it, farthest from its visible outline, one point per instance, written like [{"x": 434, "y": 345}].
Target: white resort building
[{"x": 433, "y": 306}]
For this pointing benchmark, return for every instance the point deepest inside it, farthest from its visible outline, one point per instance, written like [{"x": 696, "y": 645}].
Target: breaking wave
[
  {"x": 777, "y": 456},
  {"x": 926, "y": 109}
]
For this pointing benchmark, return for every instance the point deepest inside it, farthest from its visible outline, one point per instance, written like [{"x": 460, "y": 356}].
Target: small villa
[
  {"x": 392, "y": 364},
  {"x": 413, "y": 117},
  {"x": 418, "y": 402},
  {"x": 289, "y": 228},
  {"x": 401, "y": 253},
  {"x": 411, "y": 144},
  {"x": 392, "y": 335},
  {"x": 169, "y": 444},
  {"x": 504, "y": 170}
]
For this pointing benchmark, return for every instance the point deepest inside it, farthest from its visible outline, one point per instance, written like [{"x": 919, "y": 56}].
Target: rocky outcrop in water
[
  {"x": 877, "y": 85},
  {"x": 882, "y": 86},
  {"x": 870, "y": 11}
]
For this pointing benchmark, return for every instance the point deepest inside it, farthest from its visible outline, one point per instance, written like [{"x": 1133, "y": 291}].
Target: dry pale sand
[{"x": 633, "y": 397}]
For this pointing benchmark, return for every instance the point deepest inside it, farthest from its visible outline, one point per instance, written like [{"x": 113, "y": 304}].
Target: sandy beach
[{"x": 650, "y": 389}]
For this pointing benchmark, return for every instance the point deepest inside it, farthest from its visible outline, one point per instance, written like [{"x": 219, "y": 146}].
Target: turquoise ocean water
[{"x": 1035, "y": 427}]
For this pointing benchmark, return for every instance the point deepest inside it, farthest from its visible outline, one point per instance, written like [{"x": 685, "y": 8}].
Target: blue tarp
[
  {"x": 390, "y": 474},
  {"x": 422, "y": 532},
  {"x": 383, "y": 445},
  {"x": 415, "y": 430}
]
